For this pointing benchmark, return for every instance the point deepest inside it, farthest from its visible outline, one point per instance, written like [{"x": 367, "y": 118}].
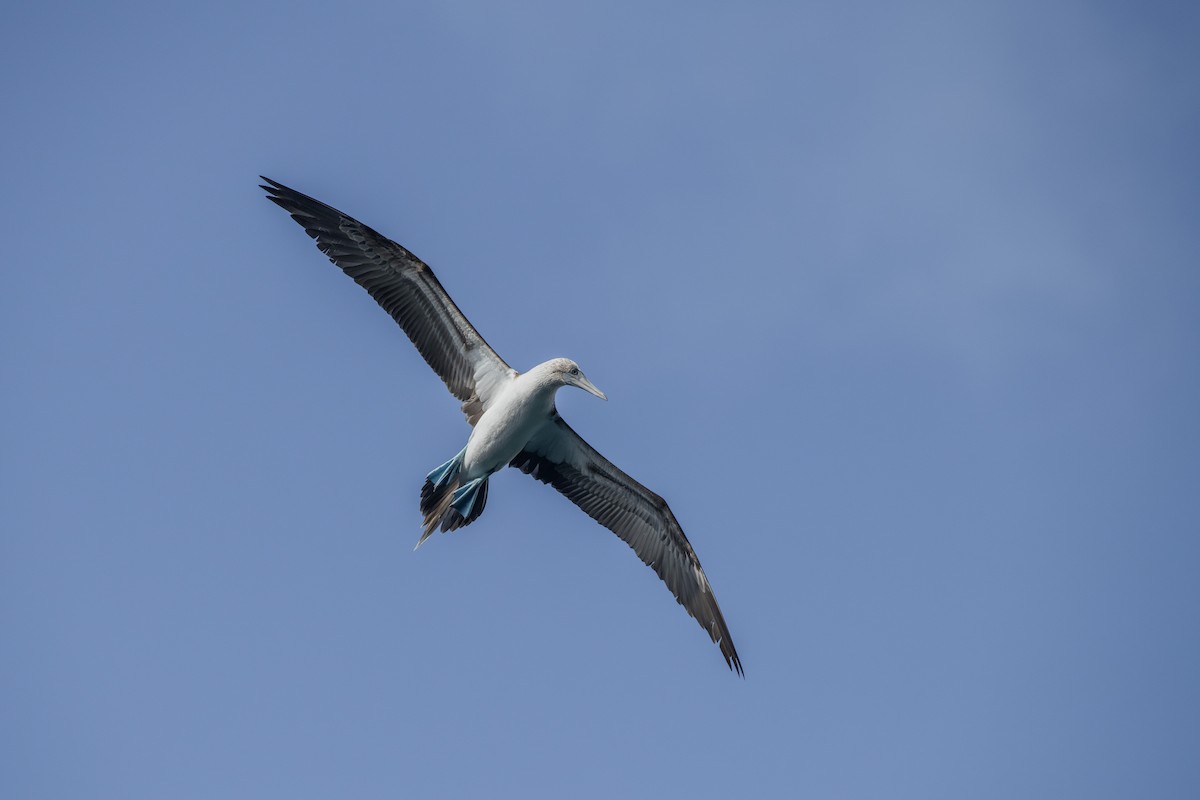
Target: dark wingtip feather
[
  {"x": 282, "y": 203},
  {"x": 271, "y": 187}
]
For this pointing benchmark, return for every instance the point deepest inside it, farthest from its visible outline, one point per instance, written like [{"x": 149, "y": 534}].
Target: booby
[{"x": 512, "y": 414}]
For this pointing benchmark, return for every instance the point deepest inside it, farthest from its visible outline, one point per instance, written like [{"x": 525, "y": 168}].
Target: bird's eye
[{"x": 574, "y": 370}]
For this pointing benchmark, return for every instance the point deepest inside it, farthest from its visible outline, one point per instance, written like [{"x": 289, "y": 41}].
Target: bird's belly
[{"x": 501, "y": 433}]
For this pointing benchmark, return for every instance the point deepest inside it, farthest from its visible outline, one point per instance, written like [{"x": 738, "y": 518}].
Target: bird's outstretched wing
[
  {"x": 407, "y": 289},
  {"x": 560, "y": 457}
]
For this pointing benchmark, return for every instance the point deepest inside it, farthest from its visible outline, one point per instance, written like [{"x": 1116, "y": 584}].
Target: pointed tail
[{"x": 448, "y": 504}]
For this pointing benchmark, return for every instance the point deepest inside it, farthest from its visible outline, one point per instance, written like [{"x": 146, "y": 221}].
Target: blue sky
[{"x": 897, "y": 306}]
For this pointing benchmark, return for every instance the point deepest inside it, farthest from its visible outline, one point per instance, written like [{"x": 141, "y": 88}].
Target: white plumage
[{"x": 513, "y": 417}]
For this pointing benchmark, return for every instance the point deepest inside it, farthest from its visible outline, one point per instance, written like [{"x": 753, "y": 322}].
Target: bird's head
[{"x": 565, "y": 372}]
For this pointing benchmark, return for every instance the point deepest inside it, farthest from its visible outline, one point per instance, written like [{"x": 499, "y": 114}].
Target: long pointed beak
[{"x": 588, "y": 386}]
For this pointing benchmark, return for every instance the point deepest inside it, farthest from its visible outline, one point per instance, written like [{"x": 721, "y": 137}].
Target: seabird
[{"x": 512, "y": 414}]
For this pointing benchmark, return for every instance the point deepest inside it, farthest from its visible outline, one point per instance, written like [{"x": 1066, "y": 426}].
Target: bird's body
[
  {"x": 525, "y": 405},
  {"x": 455, "y": 493},
  {"x": 513, "y": 416}
]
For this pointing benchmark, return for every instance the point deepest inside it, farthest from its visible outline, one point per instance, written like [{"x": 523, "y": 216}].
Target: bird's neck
[{"x": 538, "y": 390}]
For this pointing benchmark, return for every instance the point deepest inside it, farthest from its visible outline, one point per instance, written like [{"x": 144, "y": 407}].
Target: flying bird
[{"x": 512, "y": 414}]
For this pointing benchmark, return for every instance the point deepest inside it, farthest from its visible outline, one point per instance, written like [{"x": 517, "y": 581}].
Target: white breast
[{"x": 507, "y": 426}]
